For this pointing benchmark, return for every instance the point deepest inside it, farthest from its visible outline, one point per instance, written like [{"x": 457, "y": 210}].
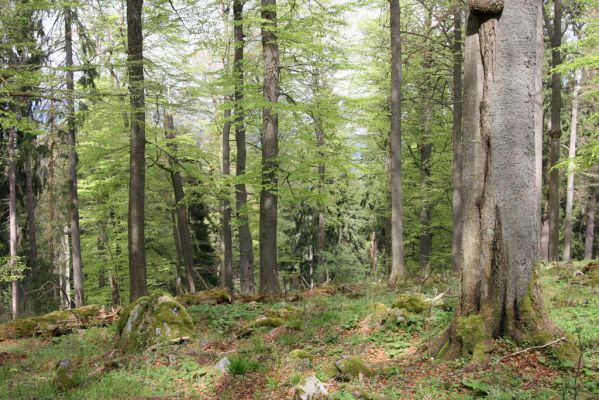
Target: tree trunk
[
  {"x": 178, "y": 272},
  {"x": 321, "y": 238},
  {"x": 556, "y": 132},
  {"x": 426, "y": 147},
  {"x": 65, "y": 273},
  {"x": 12, "y": 217},
  {"x": 227, "y": 271},
  {"x": 457, "y": 138},
  {"x": 398, "y": 268},
  {"x": 74, "y": 198},
  {"x": 246, "y": 251},
  {"x": 590, "y": 228},
  {"x": 571, "y": 155},
  {"x": 182, "y": 212},
  {"x": 31, "y": 235},
  {"x": 374, "y": 255},
  {"x": 137, "y": 162},
  {"x": 500, "y": 295},
  {"x": 52, "y": 206},
  {"x": 269, "y": 275},
  {"x": 539, "y": 119}
]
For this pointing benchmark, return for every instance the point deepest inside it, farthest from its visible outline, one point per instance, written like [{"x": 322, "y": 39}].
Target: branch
[{"x": 556, "y": 341}]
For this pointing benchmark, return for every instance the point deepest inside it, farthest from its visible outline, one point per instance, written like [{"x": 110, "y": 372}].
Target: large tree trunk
[
  {"x": 539, "y": 118},
  {"x": 178, "y": 271},
  {"x": 74, "y": 198},
  {"x": 500, "y": 295},
  {"x": 426, "y": 147},
  {"x": 269, "y": 275},
  {"x": 12, "y": 218},
  {"x": 227, "y": 271},
  {"x": 398, "y": 268},
  {"x": 137, "y": 161},
  {"x": 457, "y": 138},
  {"x": 556, "y": 132},
  {"x": 182, "y": 213},
  {"x": 321, "y": 238},
  {"x": 571, "y": 155},
  {"x": 246, "y": 250},
  {"x": 590, "y": 227}
]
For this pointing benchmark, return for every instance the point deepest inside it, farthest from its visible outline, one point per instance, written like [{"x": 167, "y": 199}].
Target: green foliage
[{"x": 241, "y": 365}]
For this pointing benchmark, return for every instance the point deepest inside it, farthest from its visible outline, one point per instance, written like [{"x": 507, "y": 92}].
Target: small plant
[{"x": 240, "y": 365}]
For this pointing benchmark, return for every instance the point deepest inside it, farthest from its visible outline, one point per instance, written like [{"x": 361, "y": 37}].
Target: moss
[
  {"x": 329, "y": 370},
  {"x": 64, "y": 377},
  {"x": 411, "y": 302},
  {"x": 567, "y": 353},
  {"x": 300, "y": 354},
  {"x": 271, "y": 322},
  {"x": 211, "y": 296},
  {"x": 471, "y": 331},
  {"x": 283, "y": 313},
  {"x": 353, "y": 367}
]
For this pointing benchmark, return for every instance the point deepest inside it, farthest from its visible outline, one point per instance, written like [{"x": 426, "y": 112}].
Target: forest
[{"x": 299, "y": 199}]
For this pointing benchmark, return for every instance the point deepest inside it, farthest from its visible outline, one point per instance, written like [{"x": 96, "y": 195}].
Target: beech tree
[
  {"x": 500, "y": 292},
  {"x": 269, "y": 275},
  {"x": 135, "y": 67}
]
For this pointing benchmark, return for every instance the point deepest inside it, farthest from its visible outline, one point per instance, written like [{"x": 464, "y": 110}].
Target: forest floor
[{"x": 327, "y": 327}]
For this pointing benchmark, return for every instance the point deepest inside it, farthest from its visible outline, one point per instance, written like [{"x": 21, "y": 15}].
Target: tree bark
[
  {"x": 137, "y": 162},
  {"x": 398, "y": 268},
  {"x": 426, "y": 147},
  {"x": 500, "y": 295},
  {"x": 12, "y": 218},
  {"x": 227, "y": 271},
  {"x": 321, "y": 238},
  {"x": 539, "y": 119},
  {"x": 457, "y": 138},
  {"x": 74, "y": 198},
  {"x": 590, "y": 227},
  {"x": 556, "y": 132},
  {"x": 246, "y": 250},
  {"x": 178, "y": 272},
  {"x": 269, "y": 275},
  {"x": 571, "y": 155},
  {"x": 181, "y": 211}
]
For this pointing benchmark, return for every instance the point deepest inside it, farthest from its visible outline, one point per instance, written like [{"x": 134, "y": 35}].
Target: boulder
[
  {"x": 64, "y": 377},
  {"x": 300, "y": 354},
  {"x": 223, "y": 365},
  {"x": 414, "y": 303},
  {"x": 352, "y": 367},
  {"x": 310, "y": 389},
  {"x": 153, "y": 320}
]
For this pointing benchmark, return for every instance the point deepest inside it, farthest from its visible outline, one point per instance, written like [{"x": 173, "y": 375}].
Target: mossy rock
[
  {"x": 359, "y": 393},
  {"x": 379, "y": 308},
  {"x": 151, "y": 320},
  {"x": 270, "y": 322},
  {"x": 567, "y": 353},
  {"x": 211, "y": 296},
  {"x": 411, "y": 302},
  {"x": 300, "y": 354},
  {"x": 352, "y": 367},
  {"x": 64, "y": 378},
  {"x": 310, "y": 389},
  {"x": 283, "y": 313},
  {"x": 591, "y": 271}
]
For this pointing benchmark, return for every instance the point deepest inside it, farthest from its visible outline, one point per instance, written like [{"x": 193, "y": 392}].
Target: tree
[
  {"x": 457, "y": 137},
  {"x": 269, "y": 276},
  {"x": 500, "y": 294},
  {"x": 74, "y": 198},
  {"x": 556, "y": 131},
  {"x": 12, "y": 218},
  {"x": 136, "y": 234},
  {"x": 246, "y": 251},
  {"x": 571, "y": 156},
  {"x": 590, "y": 226},
  {"x": 398, "y": 269}
]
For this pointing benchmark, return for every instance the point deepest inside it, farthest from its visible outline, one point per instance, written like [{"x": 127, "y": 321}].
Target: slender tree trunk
[
  {"x": 246, "y": 251},
  {"x": 556, "y": 132},
  {"x": 321, "y": 241},
  {"x": 182, "y": 212},
  {"x": 178, "y": 272},
  {"x": 374, "y": 254},
  {"x": 12, "y": 217},
  {"x": 426, "y": 147},
  {"x": 66, "y": 270},
  {"x": 499, "y": 293},
  {"x": 74, "y": 198},
  {"x": 137, "y": 171},
  {"x": 398, "y": 268},
  {"x": 457, "y": 138},
  {"x": 269, "y": 275},
  {"x": 227, "y": 242},
  {"x": 590, "y": 227},
  {"x": 539, "y": 118},
  {"x": 52, "y": 206},
  {"x": 571, "y": 155},
  {"x": 31, "y": 234}
]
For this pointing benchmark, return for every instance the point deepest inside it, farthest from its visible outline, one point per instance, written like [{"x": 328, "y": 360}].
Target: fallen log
[{"x": 59, "y": 322}]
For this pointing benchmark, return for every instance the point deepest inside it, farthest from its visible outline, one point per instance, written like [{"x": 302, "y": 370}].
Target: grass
[{"x": 329, "y": 327}]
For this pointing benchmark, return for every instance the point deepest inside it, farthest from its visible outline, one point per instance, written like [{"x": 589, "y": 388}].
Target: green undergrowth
[{"x": 264, "y": 362}]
